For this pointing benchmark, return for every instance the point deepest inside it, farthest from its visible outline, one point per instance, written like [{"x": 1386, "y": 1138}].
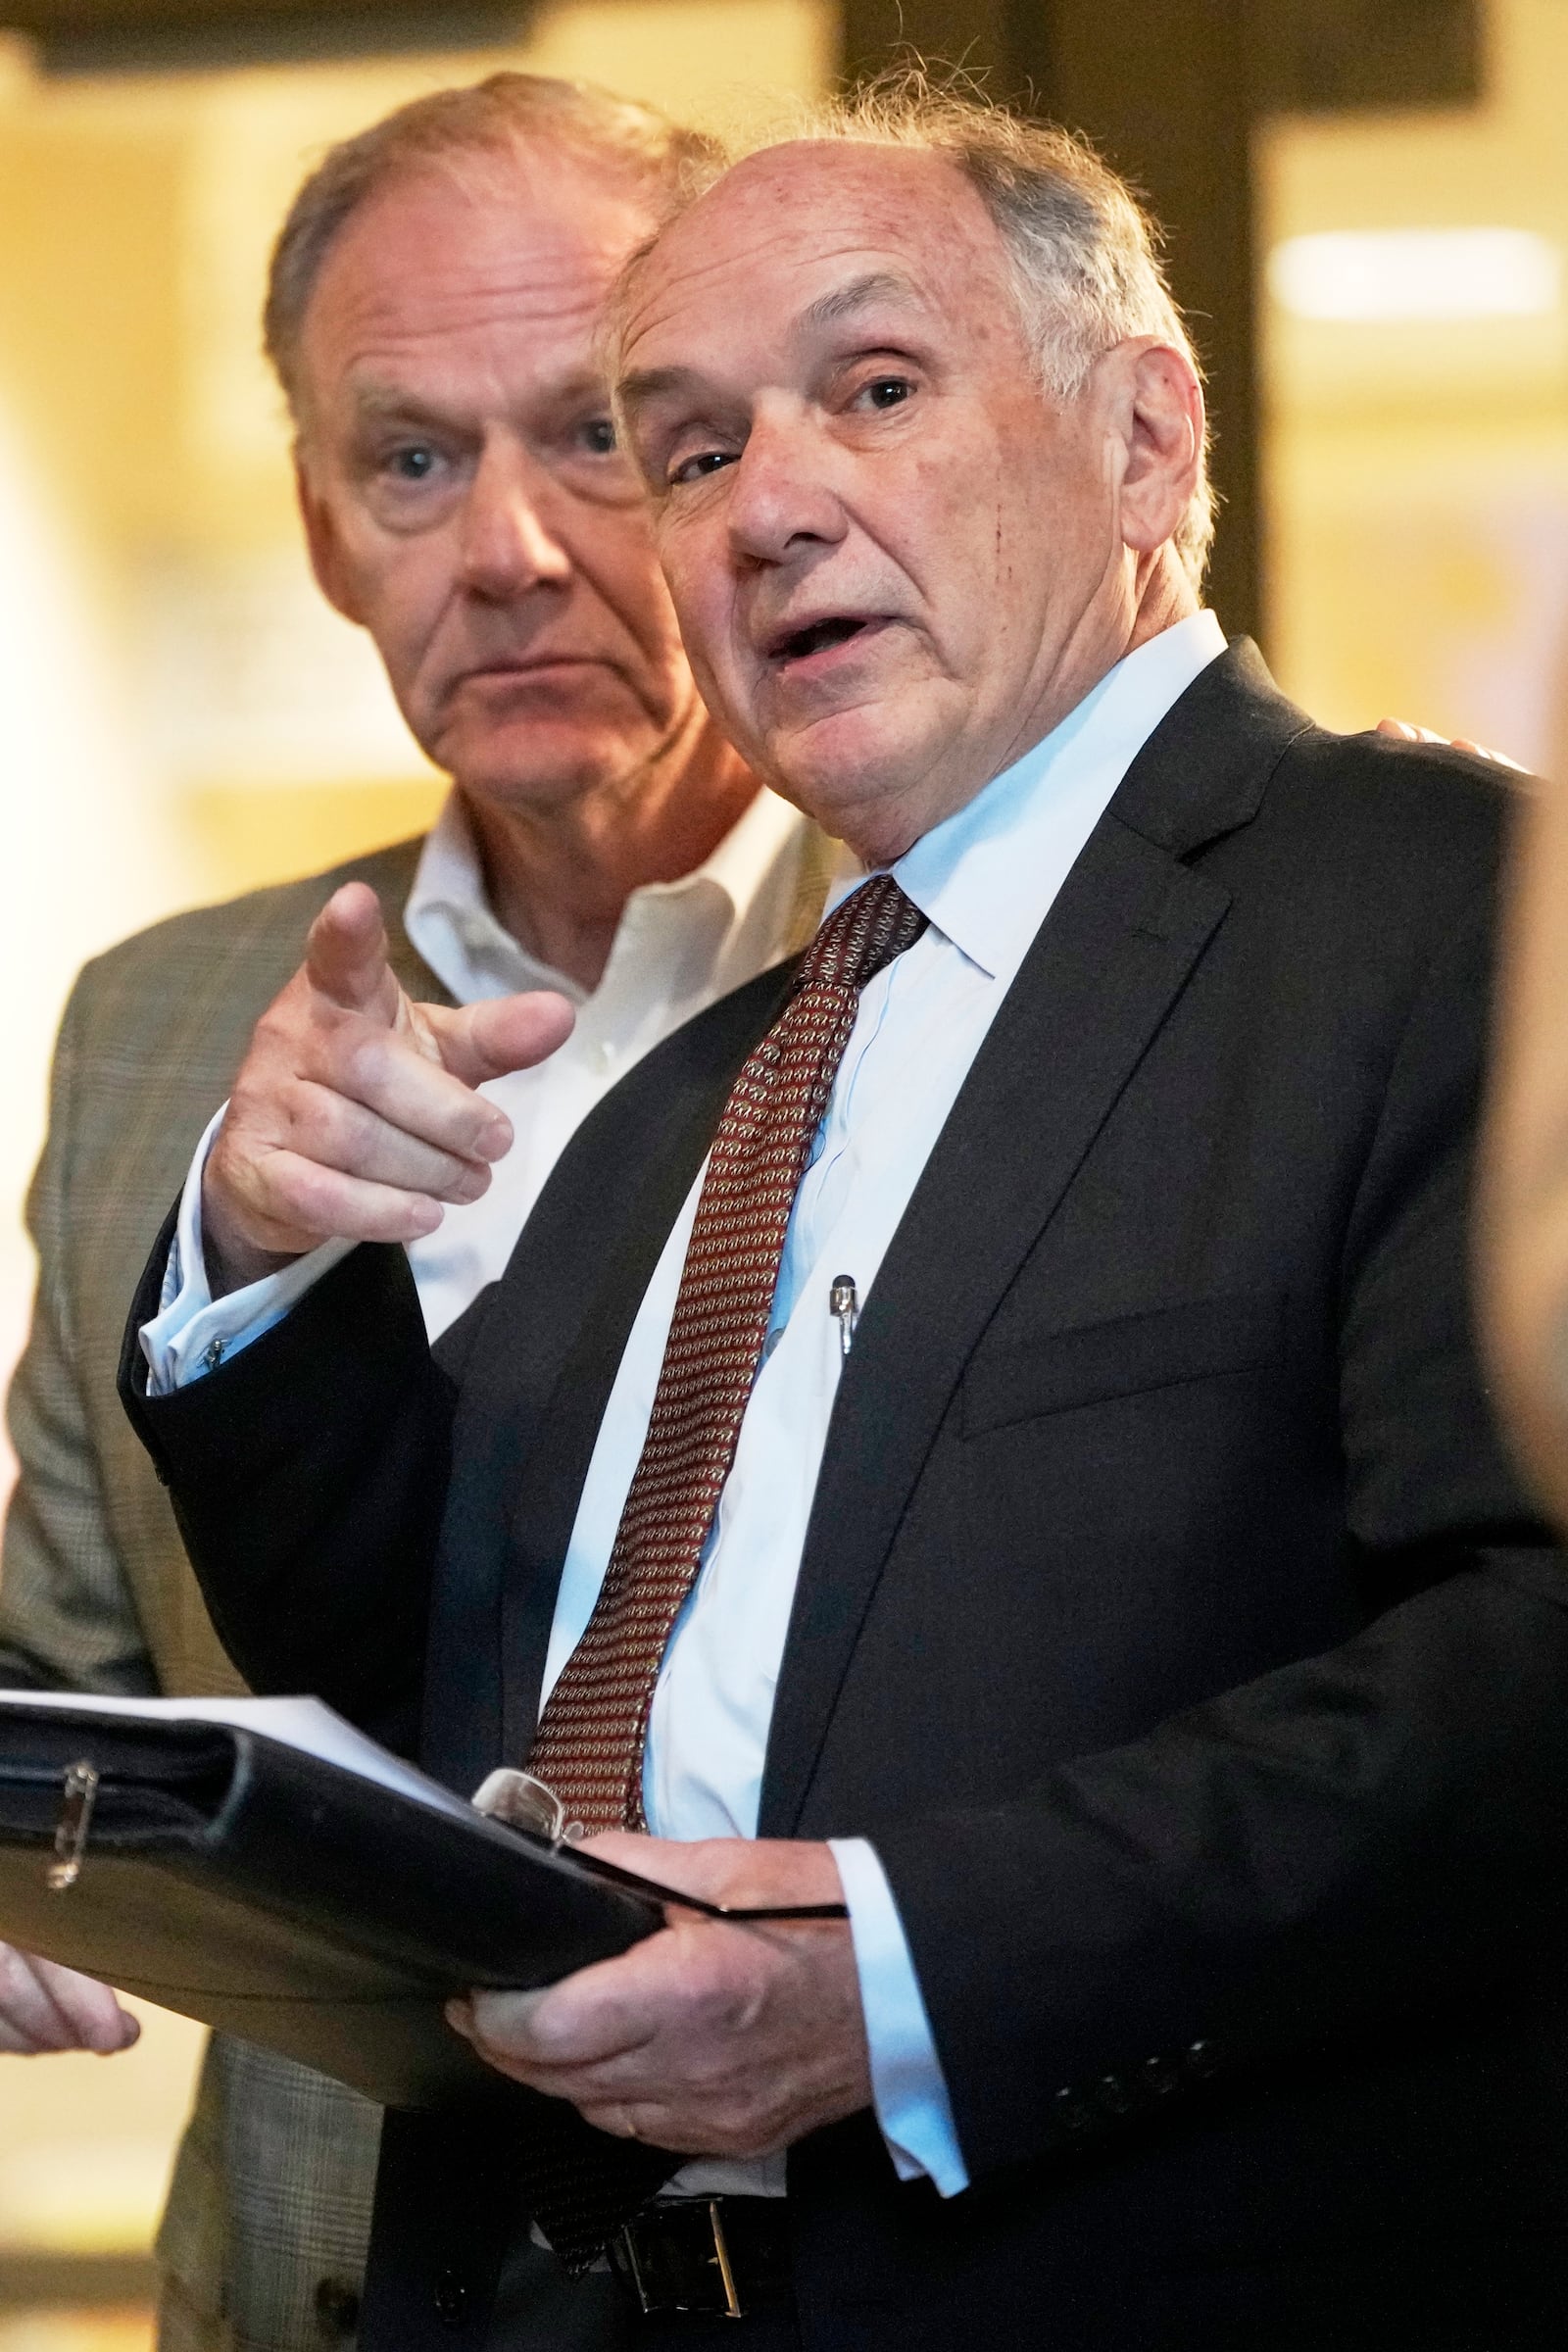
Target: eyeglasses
[
  {"x": 525, "y": 1804},
  {"x": 530, "y": 1806}
]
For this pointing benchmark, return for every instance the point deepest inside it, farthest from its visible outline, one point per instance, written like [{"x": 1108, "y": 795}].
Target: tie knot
[{"x": 875, "y": 923}]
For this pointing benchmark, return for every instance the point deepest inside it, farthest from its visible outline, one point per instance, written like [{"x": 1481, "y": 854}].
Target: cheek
[
  {"x": 701, "y": 599},
  {"x": 405, "y": 598},
  {"x": 625, "y": 576}
]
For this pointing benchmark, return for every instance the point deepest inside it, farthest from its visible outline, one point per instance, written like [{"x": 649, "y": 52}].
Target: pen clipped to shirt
[{"x": 845, "y": 1307}]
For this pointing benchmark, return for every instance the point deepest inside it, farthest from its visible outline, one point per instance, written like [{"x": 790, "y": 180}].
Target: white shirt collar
[
  {"x": 723, "y": 911},
  {"x": 986, "y": 875}
]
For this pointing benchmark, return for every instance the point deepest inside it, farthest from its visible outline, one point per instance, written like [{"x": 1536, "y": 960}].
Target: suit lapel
[{"x": 1114, "y": 953}]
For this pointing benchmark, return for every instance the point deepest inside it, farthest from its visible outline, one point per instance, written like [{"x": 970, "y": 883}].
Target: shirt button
[
  {"x": 213, "y": 1355},
  {"x": 605, "y": 1055},
  {"x": 772, "y": 1340}
]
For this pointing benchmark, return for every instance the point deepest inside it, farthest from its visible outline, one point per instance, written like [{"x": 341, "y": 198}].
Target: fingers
[
  {"x": 46, "y": 2007},
  {"x": 346, "y": 954},
  {"x": 395, "y": 1128},
  {"x": 374, "y": 1128},
  {"x": 597, "y": 2015},
  {"x": 507, "y": 1033},
  {"x": 355, "y": 1115},
  {"x": 1403, "y": 733},
  {"x": 743, "y": 1872},
  {"x": 1401, "y": 730},
  {"x": 1479, "y": 751},
  {"x": 94, "y": 2015},
  {"x": 719, "y": 2040}
]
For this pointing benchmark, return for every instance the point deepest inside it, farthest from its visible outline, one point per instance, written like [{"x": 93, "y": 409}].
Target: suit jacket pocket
[{"x": 1094, "y": 1361}]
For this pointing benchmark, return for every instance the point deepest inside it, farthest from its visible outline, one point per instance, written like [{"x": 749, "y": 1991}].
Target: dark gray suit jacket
[{"x": 1168, "y": 1617}]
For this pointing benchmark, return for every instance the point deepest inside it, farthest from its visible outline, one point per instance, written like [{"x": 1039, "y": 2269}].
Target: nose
[
  {"x": 782, "y": 502},
  {"x": 506, "y": 545}
]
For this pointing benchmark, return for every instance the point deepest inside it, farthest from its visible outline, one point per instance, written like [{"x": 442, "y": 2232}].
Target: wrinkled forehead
[
  {"x": 433, "y": 234},
  {"x": 773, "y": 238}
]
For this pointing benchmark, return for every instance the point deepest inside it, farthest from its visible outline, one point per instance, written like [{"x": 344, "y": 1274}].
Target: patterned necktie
[
  {"x": 589, "y": 1745},
  {"x": 581, "y": 2183}
]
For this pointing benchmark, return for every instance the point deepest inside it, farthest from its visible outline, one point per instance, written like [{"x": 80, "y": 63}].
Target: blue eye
[{"x": 413, "y": 464}]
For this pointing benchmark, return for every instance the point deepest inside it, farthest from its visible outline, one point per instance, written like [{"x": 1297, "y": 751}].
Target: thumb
[
  {"x": 505, "y": 1033},
  {"x": 346, "y": 954}
]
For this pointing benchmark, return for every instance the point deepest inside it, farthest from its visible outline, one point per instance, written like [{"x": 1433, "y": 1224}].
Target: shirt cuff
[
  {"x": 907, "y": 2090},
  {"x": 193, "y": 1331}
]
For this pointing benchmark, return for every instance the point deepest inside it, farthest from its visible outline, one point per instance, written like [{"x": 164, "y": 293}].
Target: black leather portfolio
[{"x": 282, "y": 1895}]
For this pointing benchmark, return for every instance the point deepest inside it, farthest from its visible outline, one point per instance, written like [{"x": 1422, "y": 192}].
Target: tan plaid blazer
[{"x": 262, "y": 2245}]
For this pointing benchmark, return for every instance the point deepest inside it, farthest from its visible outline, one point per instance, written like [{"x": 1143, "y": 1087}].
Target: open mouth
[{"x": 817, "y": 637}]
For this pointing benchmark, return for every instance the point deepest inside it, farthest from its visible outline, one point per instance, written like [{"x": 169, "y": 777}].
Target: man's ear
[
  {"x": 1162, "y": 416},
  {"x": 333, "y": 575}
]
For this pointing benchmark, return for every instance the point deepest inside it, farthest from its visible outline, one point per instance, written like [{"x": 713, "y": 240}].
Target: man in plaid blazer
[{"x": 430, "y": 313}]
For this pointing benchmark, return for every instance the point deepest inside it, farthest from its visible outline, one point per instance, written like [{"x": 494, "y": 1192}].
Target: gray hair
[
  {"x": 497, "y": 119},
  {"x": 1083, "y": 253}
]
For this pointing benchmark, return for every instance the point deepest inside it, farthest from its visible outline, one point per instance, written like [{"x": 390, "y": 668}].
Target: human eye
[
  {"x": 407, "y": 465},
  {"x": 407, "y": 474},
  {"x": 411, "y": 461},
  {"x": 698, "y": 466},
  {"x": 596, "y": 435},
  {"x": 883, "y": 391}
]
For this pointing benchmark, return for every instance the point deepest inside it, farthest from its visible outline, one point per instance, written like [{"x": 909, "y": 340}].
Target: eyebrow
[
  {"x": 652, "y": 384},
  {"x": 858, "y": 293},
  {"x": 642, "y": 385},
  {"x": 377, "y": 402}
]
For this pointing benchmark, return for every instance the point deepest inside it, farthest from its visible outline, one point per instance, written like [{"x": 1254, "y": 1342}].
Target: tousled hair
[{"x": 1083, "y": 252}]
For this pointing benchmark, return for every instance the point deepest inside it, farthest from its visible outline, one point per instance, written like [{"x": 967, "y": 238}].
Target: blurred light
[
  {"x": 70, "y": 2197},
  {"x": 1397, "y": 273}
]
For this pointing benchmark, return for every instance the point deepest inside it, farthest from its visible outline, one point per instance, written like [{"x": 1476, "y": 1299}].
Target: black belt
[{"x": 712, "y": 2257}]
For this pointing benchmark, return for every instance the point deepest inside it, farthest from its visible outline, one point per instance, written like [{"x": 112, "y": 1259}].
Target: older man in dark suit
[{"x": 984, "y": 1423}]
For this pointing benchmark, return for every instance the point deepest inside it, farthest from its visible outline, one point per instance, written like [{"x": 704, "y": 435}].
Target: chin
[
  {"x": 541, "y": 764},
  {"x": 846, "y": 769}
]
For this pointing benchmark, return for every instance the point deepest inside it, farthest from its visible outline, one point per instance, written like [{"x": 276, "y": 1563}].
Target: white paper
[{"x": 304, "y": 1724}]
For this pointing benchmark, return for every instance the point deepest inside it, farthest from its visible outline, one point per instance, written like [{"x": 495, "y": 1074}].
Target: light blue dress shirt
[{"x": 985, "y": 878}]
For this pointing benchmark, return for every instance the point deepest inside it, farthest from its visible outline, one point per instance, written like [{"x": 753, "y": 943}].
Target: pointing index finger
[{"x": 346, "y": 954}]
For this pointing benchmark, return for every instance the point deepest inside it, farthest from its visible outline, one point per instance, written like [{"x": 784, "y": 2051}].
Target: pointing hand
[{"x": 356, "y": 1113}]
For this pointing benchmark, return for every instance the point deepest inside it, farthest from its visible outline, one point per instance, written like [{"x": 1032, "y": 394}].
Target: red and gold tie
[{"x": 589, "y": 1745}]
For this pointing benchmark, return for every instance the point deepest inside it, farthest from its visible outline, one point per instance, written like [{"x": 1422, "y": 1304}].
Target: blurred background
[{"x": 1367, "y": 203}]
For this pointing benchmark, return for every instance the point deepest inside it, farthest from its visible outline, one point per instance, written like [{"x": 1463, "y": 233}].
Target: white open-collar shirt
[
  {"x": 985, "y": 879},
  {"x": 678, "y": 947}
]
